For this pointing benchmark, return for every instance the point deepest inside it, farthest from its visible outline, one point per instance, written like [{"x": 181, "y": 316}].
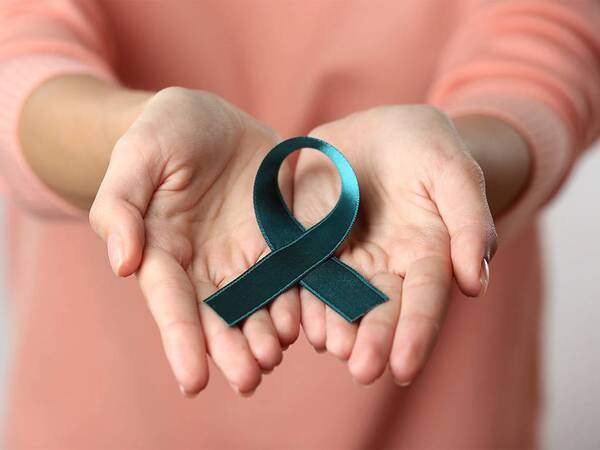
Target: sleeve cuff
[
  {"x": 548, "y": 137},
  {"x": 19, "y": 77}
]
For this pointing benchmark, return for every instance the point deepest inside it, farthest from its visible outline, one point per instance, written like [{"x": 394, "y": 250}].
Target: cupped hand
[
  {"x": 175, "y": 208},
  {"x": 423, "y": 218}
]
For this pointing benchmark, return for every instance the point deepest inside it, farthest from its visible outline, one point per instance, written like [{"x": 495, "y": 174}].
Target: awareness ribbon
[{"x": 299, "y": 255}]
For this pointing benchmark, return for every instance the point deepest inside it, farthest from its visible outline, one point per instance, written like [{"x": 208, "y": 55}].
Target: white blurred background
[{"x": 572, "y": 320}]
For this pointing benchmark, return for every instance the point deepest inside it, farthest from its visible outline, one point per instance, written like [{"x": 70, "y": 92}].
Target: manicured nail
[
  {"x": 484, "y": 277},
  {"x": 115, "y": 252}
]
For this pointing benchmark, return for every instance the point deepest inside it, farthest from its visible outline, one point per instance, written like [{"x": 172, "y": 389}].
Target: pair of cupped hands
[{"x": 175, "y": 209}]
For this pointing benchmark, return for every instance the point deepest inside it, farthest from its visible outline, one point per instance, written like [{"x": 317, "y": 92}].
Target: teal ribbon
[{"x": 299, "y": 255}]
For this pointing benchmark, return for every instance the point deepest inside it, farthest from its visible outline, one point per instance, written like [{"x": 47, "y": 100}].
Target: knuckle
[
  {"x": 420, "y": 280},
  {"x": 170, "y": 326},
  {"x": 381, "y": 325},
  {"x": 166, "y": 286},
  {"x": 428, "y": 321}
]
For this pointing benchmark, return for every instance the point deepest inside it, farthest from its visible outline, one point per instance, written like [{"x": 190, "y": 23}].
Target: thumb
[
  {"x": 460, "y": 197},
  {"x": 117, "y": 214}
]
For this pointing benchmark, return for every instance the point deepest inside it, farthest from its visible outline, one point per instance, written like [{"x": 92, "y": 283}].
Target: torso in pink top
[{"x": 88, "y": 369}]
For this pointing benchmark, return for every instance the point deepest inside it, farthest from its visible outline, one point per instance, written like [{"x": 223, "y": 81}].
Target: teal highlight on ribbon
[{"x": 300, "y": 255}]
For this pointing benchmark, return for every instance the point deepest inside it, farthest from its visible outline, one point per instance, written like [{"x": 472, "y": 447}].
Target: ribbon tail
[{"x": 343, "y": 289}]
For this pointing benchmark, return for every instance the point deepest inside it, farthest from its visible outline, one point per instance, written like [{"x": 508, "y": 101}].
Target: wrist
[
  {"x": 502, "y": 154},
  {"x": 118, "y": 111},
  {"x": 68, "y": 128}
]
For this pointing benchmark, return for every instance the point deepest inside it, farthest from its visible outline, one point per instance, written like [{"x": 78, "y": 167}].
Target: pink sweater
[{"x": 88, "y": 370}]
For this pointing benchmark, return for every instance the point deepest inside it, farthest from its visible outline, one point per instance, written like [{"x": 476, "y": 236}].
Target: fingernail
[
  {"x": 403, "y": 383},
  {"x": 115, "y": 252},
  {"x": 184, "y": 392},
  {"x": 235, "y": 388},
  {"x": 484, "y": 277},
  {"x": 363, "y": 385},
  {"x": 238, "y": 392}
]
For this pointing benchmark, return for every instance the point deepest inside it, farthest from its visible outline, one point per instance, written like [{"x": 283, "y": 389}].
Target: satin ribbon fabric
[{"x": 300, "y": 255}]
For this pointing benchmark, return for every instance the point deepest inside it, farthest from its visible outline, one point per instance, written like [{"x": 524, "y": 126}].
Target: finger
[
  {"x": 340, "y": 334},
  {"x": 228, "y": 347},
  {"x": 285, "y": 313},
  {"x": 371, "y": 352},
  {"x": 313, "y": 320},
  {"x": 425, "y": 294},
  {"x": 263, "y": 340},
  {"x": 123, "y": 196},
  {"x": 172, "y": 301},
  {"x": 461, "y": 200}
]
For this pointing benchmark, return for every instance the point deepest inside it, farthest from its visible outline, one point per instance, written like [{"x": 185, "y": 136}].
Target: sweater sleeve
[
  {"x": 40, "y": 40},
  {"x": 536, "y": 65}
]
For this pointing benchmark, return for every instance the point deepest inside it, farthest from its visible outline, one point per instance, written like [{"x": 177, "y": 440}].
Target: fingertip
[
  {"x": 469, "y": 285},
  {"x": 313, "y": 322},
  {"x": 114, "y": 247},
  {"x": 365, "y": 366},
  {"x": 244, "y": 394},
  {"x": 338, "y": 348},
  {"x": 340, "y": 339},
  {"x": 185, "y": 392},
  {"x": 133, "y": 251},
  {"x": 191, "y": 380},
  {"x": 124, "y": 246},
  {"x": 406, "y": 362},
  {"x": 475, "y": 283},
  {"x": 268, "y": 353},
  {"x": 316, "y": 338},
  {"x": 188, "y": 363},
  {"x": 262, "y": 339},
  {"x": 340, "y": 334},
  {"x": 288, "y": 333},
  {"x": 191, "y": 390},
  {"x": 484, "y": 276},
  {"x": 287, "y": 325},
  {"x": 467, "y": 260},
  {"x": 246, "y": 380}
]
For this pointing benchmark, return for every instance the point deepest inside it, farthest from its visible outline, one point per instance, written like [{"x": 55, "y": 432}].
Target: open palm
[
  {"x": 176, "y": 208},
  {"x": 423, "y": 217}
]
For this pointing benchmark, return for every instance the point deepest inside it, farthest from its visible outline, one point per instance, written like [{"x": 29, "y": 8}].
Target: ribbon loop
[{"x": 299, "y": 255}]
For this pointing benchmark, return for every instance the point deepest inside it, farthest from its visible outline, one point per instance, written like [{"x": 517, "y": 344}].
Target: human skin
[
  {"x": 165, "y": 177},
  {"x": 424, "y": 218},
  {"x": 174, "y": 184}
]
